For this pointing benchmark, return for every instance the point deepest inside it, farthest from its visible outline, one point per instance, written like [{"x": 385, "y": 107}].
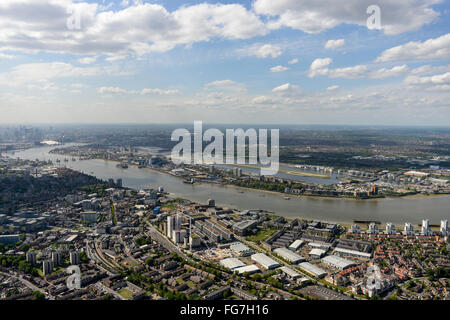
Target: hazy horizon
[{"x": 263, "y": 61}]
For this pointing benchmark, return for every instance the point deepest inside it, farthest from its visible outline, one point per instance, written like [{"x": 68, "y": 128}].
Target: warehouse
[
  {"x": 352, "y": 253},
  {"x": 296, "y": 245},
  {"x": 289, "y": 255},
  {"x": 319, "y": 245},
  {"x": 317, "y": 253},
  {"x": 265, "y": 261},
  {"x": 290, "y": 272},
  {"x": 242, "y": 228},
  {"x": 338, "y": 262},
  {"x": 249, "y": 269},
  {"x": 241, "y": 249},
  {"x": 310, "y": 268},
  {"x": 232, "y": 263}
]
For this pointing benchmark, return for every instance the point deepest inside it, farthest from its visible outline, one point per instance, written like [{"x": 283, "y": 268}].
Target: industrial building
[
  {"x": 232, "y": 263},
  {"x": 265, "y": 261},
  {"x": 338, "y": 262},
  {"x": 9, "y": 238},
  {"x": 297, "y": 244},
  {"x": 310, "y": 268},
  {"x": 290, "y": 272},
  {"x": 290, "y": 256},
  {"x": 247, "y": 269},
  {"x": 352, "y": 253},
  {"x": 319, "y": 245},
  {"x": 317, "y": 253},
  {"x": 241, "y": 249},
  {"x": 89, "y": 216},
  {"x": 242, "y": 228}
]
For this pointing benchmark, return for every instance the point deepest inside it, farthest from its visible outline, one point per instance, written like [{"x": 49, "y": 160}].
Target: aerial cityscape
[{"x": 230, "y": 151}]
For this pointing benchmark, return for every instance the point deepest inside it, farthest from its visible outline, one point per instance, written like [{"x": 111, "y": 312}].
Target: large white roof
[
  {"x": 296, "y": 244},
  {"x": 353, "y": 252},
  {"x": 338, "y": 262},
  {"x": 289, "y": 255},
  {"x": 232, "y": 263},
  {"x": 316, "y": 271},
  {"x": 264, "y": 260},
  {"x": 250, "y": 268},
  {"x": 290, "y": 272}
]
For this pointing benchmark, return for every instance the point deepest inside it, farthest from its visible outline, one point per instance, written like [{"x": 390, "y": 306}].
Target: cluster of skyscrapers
[
  {"x": 174, "y": 230},
  {"x": 408, "y": 229},
  {"x": 55, "y": 260}
]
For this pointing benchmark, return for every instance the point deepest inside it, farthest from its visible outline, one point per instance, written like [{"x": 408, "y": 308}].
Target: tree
[{"x": 37, "y": 295}]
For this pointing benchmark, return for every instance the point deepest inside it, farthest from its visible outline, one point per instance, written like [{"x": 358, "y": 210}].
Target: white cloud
[
  {"x": 226, "y": 85},
  {"x": 354, "y": 72},
  {"x": 293, "y": 61},
  {"x": 334, "y": 44},
  {"x": 428, "y": 69},
  {"x": 319, "y": 67},
  {"x": 263, "y": 100},
  {"x": 146, "y": 91},
  {"x": 313, "y": 16},
  {"x": 113, "y": 90},
  {"x": 41, "y": 25},
  {"x": 431, "y": 49},
  {"x": 159, "y": 91},
  {"x": 331, "y": 88},
  {"x": 279, "y": 69},
  {"x": 286, "y": 88},
  {"x": 440, "y": 79},
  {"x": 87, "y": 60},
  {"x": 262, "y": 51},
  {"x": 43, "y": 72},
  {"x": 5, "y": 56},
  {"x": 388, "y": 73}
]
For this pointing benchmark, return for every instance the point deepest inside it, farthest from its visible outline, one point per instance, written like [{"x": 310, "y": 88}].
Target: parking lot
[{"x": 323, "y": 293}]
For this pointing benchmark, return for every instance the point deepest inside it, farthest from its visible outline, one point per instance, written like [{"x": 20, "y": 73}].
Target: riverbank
[
  {"x": 396, "y": 210},
  {"x": 281, "y": 194},
  {"x": 291, "y": 172}
]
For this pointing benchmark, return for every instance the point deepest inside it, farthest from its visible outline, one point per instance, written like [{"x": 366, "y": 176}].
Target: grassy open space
[
  {"x": 125, "y": 293},
  {"x": 261, "y": 235}
]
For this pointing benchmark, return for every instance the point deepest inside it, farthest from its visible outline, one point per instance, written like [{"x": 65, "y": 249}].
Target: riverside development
[{"x": 146, "y": 243}]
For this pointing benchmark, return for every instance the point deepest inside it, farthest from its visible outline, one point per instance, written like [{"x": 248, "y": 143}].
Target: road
[
  {"x": 154, "y": 233},
  {"x": 172, "y": 247},
  {"x": 104, "y": 288},
  {"x": 29, "y": 284}
]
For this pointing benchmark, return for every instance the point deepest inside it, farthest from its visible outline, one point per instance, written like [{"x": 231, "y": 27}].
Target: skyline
[{"x": 293, "y": 62}]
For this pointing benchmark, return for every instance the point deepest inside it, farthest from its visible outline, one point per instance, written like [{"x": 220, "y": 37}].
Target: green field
[
  {"x": 261, "y": 235},
  {"x": 125, "y": 293}
]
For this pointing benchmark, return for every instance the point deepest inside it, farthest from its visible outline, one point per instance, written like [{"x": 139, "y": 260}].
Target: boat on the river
[{"x": 122, "y": 165}]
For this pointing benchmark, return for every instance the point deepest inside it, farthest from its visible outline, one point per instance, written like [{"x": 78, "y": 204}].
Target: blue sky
[{"x": 262, "y": 61}]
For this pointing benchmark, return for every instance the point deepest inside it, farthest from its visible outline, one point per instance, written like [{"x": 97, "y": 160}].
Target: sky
[{"x": 261, "y": 61}]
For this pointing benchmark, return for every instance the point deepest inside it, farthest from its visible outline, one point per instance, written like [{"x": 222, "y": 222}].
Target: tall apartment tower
[
  {"x": 444, "y": 228},
  {"x": 56, "y": 258},
  {"x": 178, "y": 221},
  {"x": 373, "y": 228},
  {"x": 170, "y": 226},
  {"x": 74, "y": 257},
  {"x": 409, "y": 229},
  {"x": 426, "y": 230},
  {"x": 390, "y": 228},
  {"x": 47, "y": 267},
  {"x": 31, "y": 257}
]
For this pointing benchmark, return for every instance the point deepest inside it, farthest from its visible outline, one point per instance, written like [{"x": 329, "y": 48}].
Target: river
[{"x": 395, "y": 210}]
